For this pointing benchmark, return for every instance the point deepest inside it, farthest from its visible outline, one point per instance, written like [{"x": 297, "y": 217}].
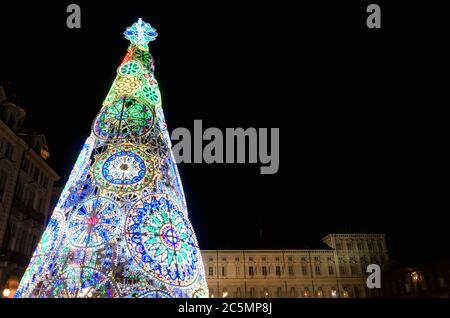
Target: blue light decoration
[{"x": 120, "y": 227}]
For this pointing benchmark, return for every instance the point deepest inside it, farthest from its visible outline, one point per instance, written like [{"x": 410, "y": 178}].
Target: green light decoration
[{"x": 121, "y": 226}]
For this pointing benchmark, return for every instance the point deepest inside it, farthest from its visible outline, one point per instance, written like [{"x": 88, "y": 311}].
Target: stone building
[
  {"x": 429, "y": 279},
  {"x": 26, "y": 183},
  {"x": 337, "y": 270}
]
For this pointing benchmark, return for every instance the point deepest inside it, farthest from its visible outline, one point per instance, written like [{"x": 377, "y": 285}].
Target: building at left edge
[{"x": 26, "y": 184}]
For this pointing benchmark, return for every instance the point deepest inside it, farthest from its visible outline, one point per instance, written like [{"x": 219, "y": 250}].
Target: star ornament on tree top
[{"x": 140, "y": 34}]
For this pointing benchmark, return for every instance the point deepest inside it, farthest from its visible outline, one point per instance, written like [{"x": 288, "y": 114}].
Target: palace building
[
  {"x": 26, "y": 183},
  {"x": 336, "y": 270}
]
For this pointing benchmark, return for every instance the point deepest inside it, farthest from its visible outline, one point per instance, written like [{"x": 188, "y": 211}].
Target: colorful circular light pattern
[
  {"x": 44, "y": 253},
  {"x": 124, "y": 118},
  {"x": 130, "y": 68},
  {"x": 150, "y": 93},
  {"x": 162, "y": 241},
  {"x": 124, "y": 168},
  {"x": 94, "y": 222},
  {"x": 120, "y": 227}
]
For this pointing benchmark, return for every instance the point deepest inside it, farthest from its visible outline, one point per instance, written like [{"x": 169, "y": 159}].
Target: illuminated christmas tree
[{"x": 120, "y": 227}]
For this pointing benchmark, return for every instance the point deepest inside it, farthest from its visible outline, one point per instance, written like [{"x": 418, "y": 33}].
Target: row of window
[
  {"x": 34, "y": 172},
  {"x": 30, "y": 198},
  {"x": 277, "y": 259},
  {"x": 7, "y": 149},
  {"x": 360, "y": 246},
  {"x": 292, "y": 292},
  {"x": 355, "y": 269}
]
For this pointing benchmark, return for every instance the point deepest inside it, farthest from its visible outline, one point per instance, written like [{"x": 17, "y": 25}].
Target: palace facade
[{"x": 337, "y": 270}]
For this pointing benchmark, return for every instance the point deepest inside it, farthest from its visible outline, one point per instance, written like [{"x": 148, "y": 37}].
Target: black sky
[{"x": 360, "y": 147}]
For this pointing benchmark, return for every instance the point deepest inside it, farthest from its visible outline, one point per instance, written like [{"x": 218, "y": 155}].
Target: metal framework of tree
[{"x": 120, "y": 227}]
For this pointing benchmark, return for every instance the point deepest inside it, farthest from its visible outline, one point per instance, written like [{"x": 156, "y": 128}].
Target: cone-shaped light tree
[{"x": 120, "y": 227}]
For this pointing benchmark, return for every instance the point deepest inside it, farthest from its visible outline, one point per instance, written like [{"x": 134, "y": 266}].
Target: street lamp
[{"x": 6, "y": 292}]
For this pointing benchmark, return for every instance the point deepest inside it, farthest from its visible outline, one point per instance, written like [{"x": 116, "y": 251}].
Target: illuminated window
[
  {"x": 306, "y": 292},
  {"x": 319, "y": 292},
  {"x": 333, "y": 292}
]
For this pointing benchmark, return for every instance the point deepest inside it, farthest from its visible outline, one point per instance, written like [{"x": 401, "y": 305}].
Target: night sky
[{"x": 360, "y": 147}]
